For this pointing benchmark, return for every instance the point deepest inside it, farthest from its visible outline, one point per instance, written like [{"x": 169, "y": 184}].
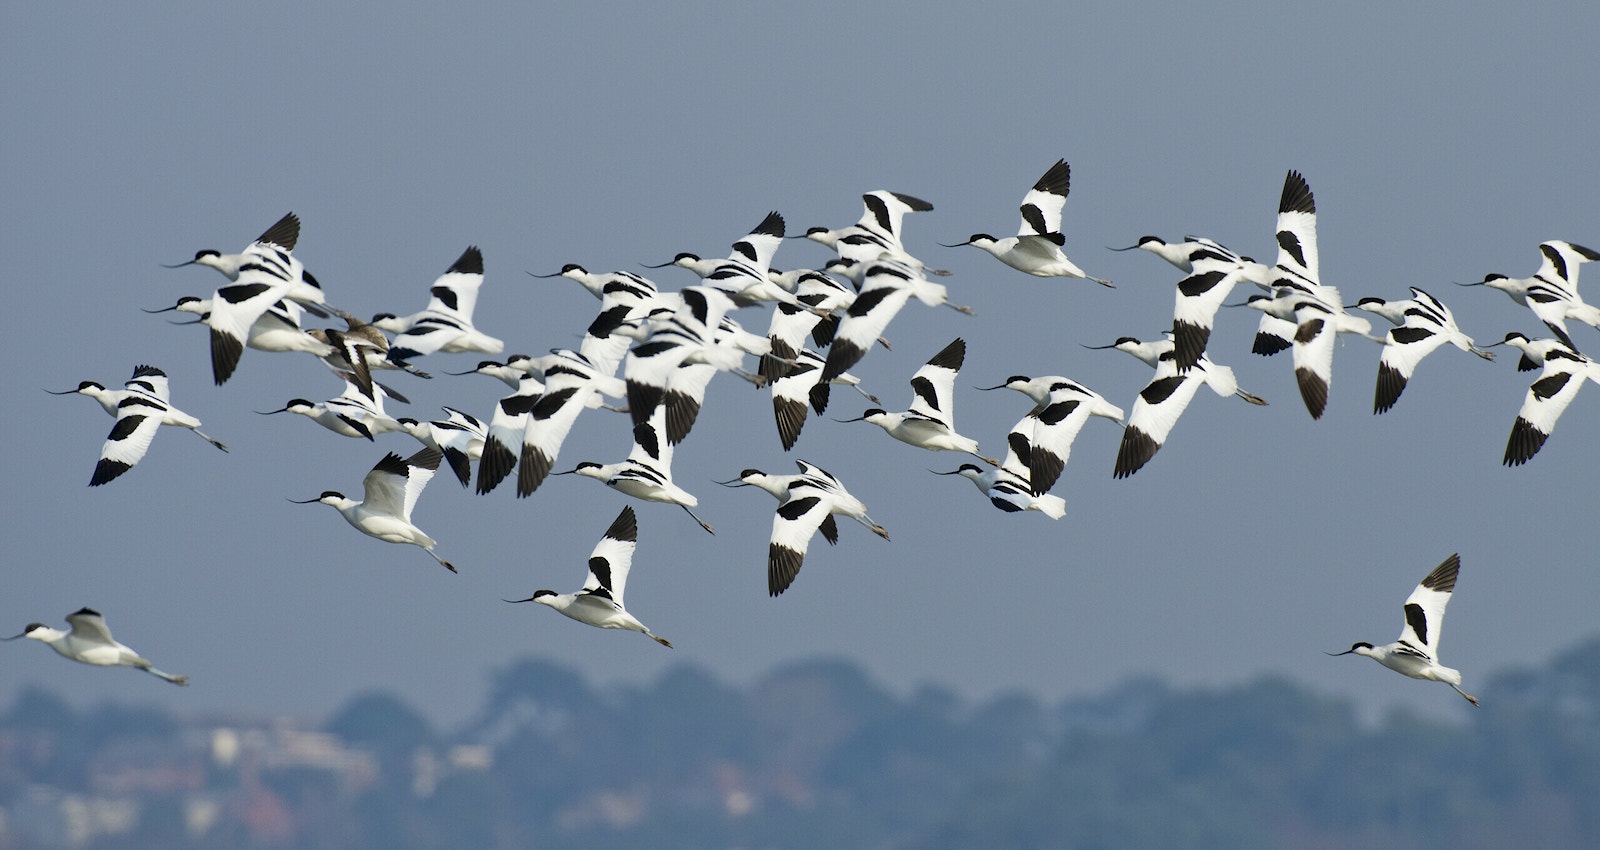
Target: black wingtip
[
  {"x": 495, "y": 464},
  {"x": 783, "y": 564},
  {"x": 1188, "y": 344},
  {"x": 107, "y": 470},
  {"x": 225, "y": 353},
  {"x": 625, "y": 527},
  {"x": 285, "y": 233},
  {"x": 1390, "y": 385},
  {"x": 951, "y": 356},
  {"x": 1057, "y": 180},
  {"x": 1296, "y": 195},
  {"x": 772, "y": 225},
  {"x": 1524, "y": 442},
  {"x": 1314, "y": 390},
  {"x": 1136, "y": 450},
  {"x": 1443, "y": 577},
  {"x": 470, "y": 262}
]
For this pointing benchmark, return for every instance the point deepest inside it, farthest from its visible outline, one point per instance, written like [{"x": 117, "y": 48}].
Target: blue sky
[{"x": 1442, "y": 143}]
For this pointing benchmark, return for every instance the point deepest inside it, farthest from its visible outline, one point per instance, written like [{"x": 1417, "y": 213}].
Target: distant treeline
[{"x": 817, "y": 755}]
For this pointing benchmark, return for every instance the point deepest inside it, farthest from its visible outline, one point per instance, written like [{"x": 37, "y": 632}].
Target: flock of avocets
[{"x": 669, "y": 346}]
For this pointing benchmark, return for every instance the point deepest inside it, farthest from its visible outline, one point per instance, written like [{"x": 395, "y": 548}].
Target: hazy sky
[{"x": 1442, "y": 142}]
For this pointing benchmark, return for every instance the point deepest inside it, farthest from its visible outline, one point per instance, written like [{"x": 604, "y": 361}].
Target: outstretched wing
[
  {"x": 800, "y": 515},
  {"x": 933, "y": 385},
  {"x": 1041, "y": 207},
  {"x": 138, "y": 419},
  {"x": 1425, "y": 607},
  {"x": 1546, "y": 400},
  {"x": 88, "y": 624},
  {"x": 613, "y": 556},
  {"x": 394, "y": 484}
]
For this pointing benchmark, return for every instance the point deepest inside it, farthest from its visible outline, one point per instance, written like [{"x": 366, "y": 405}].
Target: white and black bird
[
  {"x": 795, "y": 386},
  {"x": 350, "y": 414},
  {"x": 1563, "y": 372},
  {"x": 502, "y": 445},
  {"x": 675, "y": 364},
  {"x": 1416, "y": 653},
  {"x": 597, "y": 283},
  {"x": 1424, "y": 324},
  {"x": 647, "y": 472},
  {"x": 1181, "y": 255},
  {"x": 877, "y": 233},
  {"x": 599, "y": 603},
  {"x": 1164, "y": 399},
  {"x": 90, "y": 642},
  {"x": 142, "y": 406},
  {"x": 273, "y": 250},
  {"x": 571, "y": 384},
  {"x": 459, "y": 437},
  {"x": 390, "y": 493},
  {"x": 1212, "y": 271},
  {"x": 1061, "y": 408},
  {"x": 1294, "y": 275},
  {"x": 1007, "y": 486},
  {"x": 278, "y": 329},
  {"x": 509, "y": 373},
  {"x": 886, "y": 286},
  {"x": 930, "y": 421},
  {"x": 445, "y": 325},
  {"x": 1036, "y": 249},
  {"x": 1316, "y": 309},
  {"x": 264, "y": 273},
  {"x": 743, "y": 275},
  {"x": 808, "y": 502},
  {"x": 1552, "y": 292}
]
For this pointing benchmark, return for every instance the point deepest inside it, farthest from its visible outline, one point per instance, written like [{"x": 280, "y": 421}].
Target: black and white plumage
[
  {"x": 683, "y": 352},
  {"x": 1164, "y": 399},
  {"x": 1315, "y": 309},
  {"x": 930, "y": 421},
  {"x": 820, "y": 296},
  {"x": 600, "y": 603},
  {"x": 1061, "y": 408},
  {"x": 877, "y": 233},
  {"x": 1295, "y": 275},
  {"x": 743, "y": 275},
  {"x": 459, "y": 437},
  {"x": 1416, "y": 653},
  {"x": 886, "y": 287},
  {"x": 445, "y": 325},
  {"x": 278, "y": 329},
  {"x": 350, "y": 414},
  {"x": 571, "y": 384},
  {"x": 1181, "y": 255},
  {"x": 796, "y": 386},
  {"x": 390, "y": 493},
  {"x": 264, "y": 273},
  {"x": 502, "y": 445},
  {"x": 808, "y": 502},
  {"x": 1424, "y": 324},
  {"x": 90, "y": 642},
  {"x": 597, "y": 282},
  {"x": 1563, "y": 371},
  {"x": 647, "y": 472},
  {"x": 1552, "y": 292},
  {"x": 1036, "y": 249},
  {"x": 141, "y": 407},
  {"x": 1212, "y": 271},
  {"x": 1007, "y": 486}
]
